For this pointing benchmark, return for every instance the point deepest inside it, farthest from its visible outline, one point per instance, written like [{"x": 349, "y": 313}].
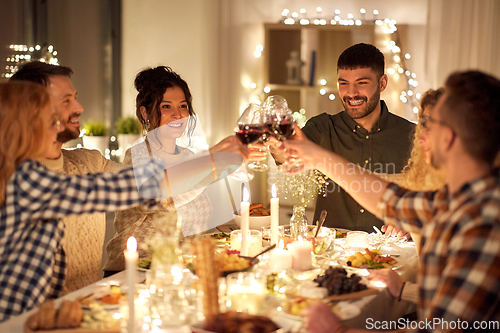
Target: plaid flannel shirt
[
  {"x": 32, "y": 262},
  {"x": 459, "y": 274}
]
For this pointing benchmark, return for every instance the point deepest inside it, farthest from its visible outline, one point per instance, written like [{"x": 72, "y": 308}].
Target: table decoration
[
  {"x": 301, "y": 188},
  {"x": 245, "y": 210},
  {"x": 131, "y": 257},
  {"x": 253, "y": 239},
  {"x": 301, "y": 252},
  {"x": 280, "y": 259},
  {"x": 356, "y": 241},
  {"x": 246, "y": 292},
  {"x": 275, "y": 212}
]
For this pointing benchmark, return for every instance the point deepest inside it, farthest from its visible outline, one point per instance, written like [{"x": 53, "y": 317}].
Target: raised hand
[{"x": 231, "y": 144}]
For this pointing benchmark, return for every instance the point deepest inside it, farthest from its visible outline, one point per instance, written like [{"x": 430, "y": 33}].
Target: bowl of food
[
  {"x": 259, "y": 217},
  {"x": 324, "y": 241}
]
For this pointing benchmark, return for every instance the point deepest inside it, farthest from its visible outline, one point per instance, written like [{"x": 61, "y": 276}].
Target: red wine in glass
[
  {"x": 283, "y": 129},
  {"x": 249, "y": 133}
]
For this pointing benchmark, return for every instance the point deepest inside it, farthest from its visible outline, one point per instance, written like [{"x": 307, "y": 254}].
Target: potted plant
[
  {"x": 128, "y": 131},
  {"x": 96, "y": 136}
]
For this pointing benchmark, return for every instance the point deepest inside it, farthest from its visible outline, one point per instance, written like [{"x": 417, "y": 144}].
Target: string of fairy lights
[
  {"x": 24, "y": 53},
  {"x": 392, "y": 41}
]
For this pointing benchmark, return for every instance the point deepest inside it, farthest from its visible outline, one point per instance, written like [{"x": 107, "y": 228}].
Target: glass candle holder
[
  {"x": 254, "y": 241},
  {"x": 356, "y": 241},
  {"x": 246, "y": 292}
]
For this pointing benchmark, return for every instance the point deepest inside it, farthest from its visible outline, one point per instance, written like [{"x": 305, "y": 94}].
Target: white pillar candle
[
  {"x": 280, "y": 259},
  {"x": 131, "y": 257},
  {"x": 254, "y": 241},
  {"x": 245, "y": 211},
  {"x": 301, "y": 252},
  {"x": 275, "y": 216}
]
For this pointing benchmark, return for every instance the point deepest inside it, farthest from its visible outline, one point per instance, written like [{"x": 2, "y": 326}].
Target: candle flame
[
  {"x": 281, "y": 245},
  {"x": 246, "y": 195},
  {"x": 273, "y": 191},
  {"x": 132, "y": 244},
  {"x": 299, "y": 238}
]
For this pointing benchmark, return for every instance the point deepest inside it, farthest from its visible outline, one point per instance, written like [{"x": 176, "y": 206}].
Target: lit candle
[
  {"x": 275, "y": 216},
  {"x": 245, "y": 211},
  {"x": 131, "y": 257},
  {"x": 280, "y": 259},
  {"x": 301, "y": 252}
]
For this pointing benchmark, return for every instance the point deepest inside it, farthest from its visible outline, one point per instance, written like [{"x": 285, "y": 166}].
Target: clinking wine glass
[
  {"x": 250, "y": 129},
  {"x": 278, "y": 119}
]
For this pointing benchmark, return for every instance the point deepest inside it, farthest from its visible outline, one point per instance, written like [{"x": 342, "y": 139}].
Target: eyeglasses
[{"x": 425, "y": 120}]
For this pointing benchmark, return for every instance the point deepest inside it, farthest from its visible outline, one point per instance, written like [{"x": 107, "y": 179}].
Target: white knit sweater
[{"x": 84, "y": 234}]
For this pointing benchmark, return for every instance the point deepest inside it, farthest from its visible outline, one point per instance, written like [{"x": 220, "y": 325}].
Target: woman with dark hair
[{"x": 164, "y": 108}]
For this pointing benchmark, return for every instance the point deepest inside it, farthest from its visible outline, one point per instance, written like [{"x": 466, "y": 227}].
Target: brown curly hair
[{"x": 151, "y": 84}]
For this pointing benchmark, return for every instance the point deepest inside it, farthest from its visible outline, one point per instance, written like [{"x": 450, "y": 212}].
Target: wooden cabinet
[{"x": 319, "y": 47}]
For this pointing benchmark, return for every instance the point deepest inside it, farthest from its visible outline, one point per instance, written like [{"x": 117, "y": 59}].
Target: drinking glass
[
  {"x": 278, "y": 119},
  {"x": 246, "y": 292},
  {"x": 250, "y": 129}
]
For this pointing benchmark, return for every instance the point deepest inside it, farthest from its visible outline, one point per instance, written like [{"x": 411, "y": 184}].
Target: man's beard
[
  {"x": 67, "y": 135},
  {"x": 371, "y": 104}
]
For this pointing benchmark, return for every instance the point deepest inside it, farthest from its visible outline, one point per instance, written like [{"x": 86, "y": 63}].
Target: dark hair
[
  {"x": 430, "y": 98},
  {"x": 362, "y": 56},
  {"x": 40, "y": 72},
  {"x": 472, "y": 109},
  {"x": 151, "y": 83}
]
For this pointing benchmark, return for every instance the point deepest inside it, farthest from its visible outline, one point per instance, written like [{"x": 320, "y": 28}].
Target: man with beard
[
  {"x": 366, "y": 134},
  {"x": 84, "y": 235},
  {"x": 459, "y": 275}
]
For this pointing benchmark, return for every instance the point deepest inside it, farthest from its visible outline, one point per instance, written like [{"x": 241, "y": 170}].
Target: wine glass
[
  {"x": 278, "y": 118},
  {"x": 250, "y": 130}
]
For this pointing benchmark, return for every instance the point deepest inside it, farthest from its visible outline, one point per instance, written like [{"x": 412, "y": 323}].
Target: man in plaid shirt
[
  {"x": 33, "y": 262},
  {"x": 459, "y": 275}
]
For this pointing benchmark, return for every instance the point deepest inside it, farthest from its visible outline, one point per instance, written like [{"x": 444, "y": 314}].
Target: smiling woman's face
[{"x": 174, "y": 113}]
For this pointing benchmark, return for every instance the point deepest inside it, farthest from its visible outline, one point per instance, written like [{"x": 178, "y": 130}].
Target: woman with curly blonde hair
[{"x": 419, "y": 174}]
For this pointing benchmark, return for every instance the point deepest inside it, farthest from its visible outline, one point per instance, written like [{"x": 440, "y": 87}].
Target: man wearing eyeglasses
[{"x": 459, "y": 276}]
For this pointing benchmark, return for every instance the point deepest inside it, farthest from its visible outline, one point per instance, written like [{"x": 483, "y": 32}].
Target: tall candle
[
  {"x": 275, "y": 216},
  {"x": 245, "y": 217},
  {"x": 301, "y": 252},
  {"x": 131, "y": 257},
  {"x": 279, "y": 258}
]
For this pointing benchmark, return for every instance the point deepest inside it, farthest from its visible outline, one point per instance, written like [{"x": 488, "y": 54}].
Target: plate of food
[
  {"x": 369, "y": 259},
  {"x": 293, "y": 308},
  {"x": 228, "y": 262},
  {"x": 233, "y": 322},
  {"x": 107, "y": 296}
]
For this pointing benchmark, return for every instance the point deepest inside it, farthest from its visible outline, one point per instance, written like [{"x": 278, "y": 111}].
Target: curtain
[{"x": 462, "y": 34}]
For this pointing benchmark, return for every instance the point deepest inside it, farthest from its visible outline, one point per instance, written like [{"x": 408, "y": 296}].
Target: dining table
[{"x": 375, "y": 307}]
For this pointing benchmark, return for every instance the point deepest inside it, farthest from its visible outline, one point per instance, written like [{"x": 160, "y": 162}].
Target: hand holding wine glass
[
  {"x": 249, "y": 131},
  {"x": 278, "y": 120}
]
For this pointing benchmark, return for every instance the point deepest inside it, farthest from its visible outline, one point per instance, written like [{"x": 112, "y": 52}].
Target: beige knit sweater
[
  {"x": 84, "y": 234},
  {"x": 193, "y": 208}
]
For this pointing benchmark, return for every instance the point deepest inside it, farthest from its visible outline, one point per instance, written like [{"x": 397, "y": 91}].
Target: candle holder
[
  {"x": 254, "y": 241},
  {"x": 246, "y": 292},
  {"x": 356, "y": 241}
]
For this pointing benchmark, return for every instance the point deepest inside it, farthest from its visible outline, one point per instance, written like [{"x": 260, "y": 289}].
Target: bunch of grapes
[{"x": 335, "y": 280}]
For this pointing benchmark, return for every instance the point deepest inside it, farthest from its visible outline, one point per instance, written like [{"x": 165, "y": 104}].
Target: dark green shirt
[{"x": 385, "y": 149}]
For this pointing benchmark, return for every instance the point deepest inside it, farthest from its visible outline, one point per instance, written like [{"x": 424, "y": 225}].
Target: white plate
[
  {"x": 342, "y": 261},
  {"x": 343, "y": 310}
]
